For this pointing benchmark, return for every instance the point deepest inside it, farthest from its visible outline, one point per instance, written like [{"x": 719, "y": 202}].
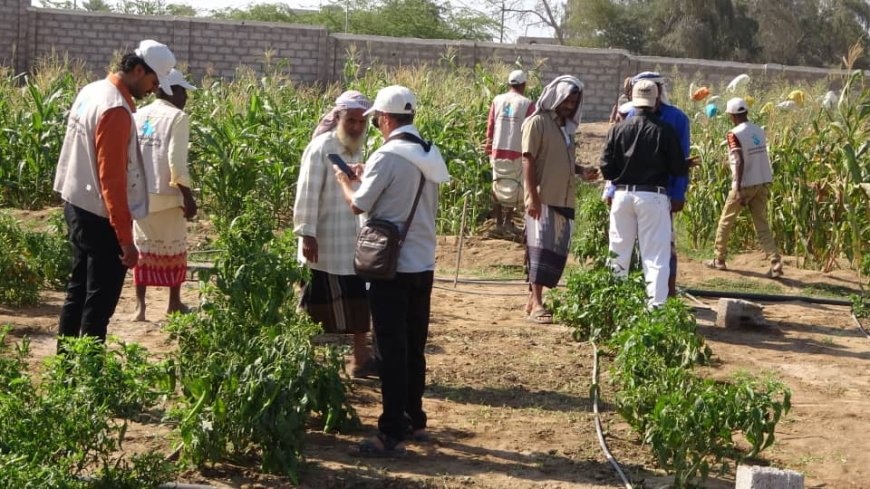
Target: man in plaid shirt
[{"x": 327, "y": 229}]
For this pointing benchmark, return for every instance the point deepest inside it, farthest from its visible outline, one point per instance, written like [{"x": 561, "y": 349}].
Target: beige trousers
[{"x": 756, "y": 199}]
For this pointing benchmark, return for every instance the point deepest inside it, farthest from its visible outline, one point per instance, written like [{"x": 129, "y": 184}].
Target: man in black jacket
[{"x": 639, "y": 156}]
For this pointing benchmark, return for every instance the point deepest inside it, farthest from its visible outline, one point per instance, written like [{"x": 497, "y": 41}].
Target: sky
[{"x": 512, "y": 29}]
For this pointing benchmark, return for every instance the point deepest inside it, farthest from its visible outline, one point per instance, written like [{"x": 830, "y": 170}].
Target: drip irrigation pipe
[
  {"x": 598, "y": 430},
  {"x": 491, "y": 294},
  {"x": 767, "y": 297}
]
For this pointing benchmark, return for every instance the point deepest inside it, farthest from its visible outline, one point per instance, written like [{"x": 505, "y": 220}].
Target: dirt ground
[{"x": 508, "y": 400}]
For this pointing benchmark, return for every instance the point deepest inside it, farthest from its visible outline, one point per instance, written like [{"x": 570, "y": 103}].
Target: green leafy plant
[
  {"x": 64, "y": 426},
  {"x": 250, "y": 375},
  {"x": 597, "y": 303}
]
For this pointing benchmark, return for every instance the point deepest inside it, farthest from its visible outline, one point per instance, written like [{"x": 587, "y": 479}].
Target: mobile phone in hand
[{"x": 337, "y": 161}]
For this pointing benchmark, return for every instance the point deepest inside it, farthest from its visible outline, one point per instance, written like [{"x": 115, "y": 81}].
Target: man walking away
[
  {"x": 101, "y": 179},
  {"x": 161, "y": 238},
  {"x": 639, "y": 156},
  {"x": 751, "y": 176},
  {"x": 394, "y": 175},
  {"x": 335, "y": 296},
  {"x": 549, "y": 168},
  {"x": 504, "y": 124}
]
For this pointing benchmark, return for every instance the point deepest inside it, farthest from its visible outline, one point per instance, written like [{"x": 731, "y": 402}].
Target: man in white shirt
[
  {"x": 504, "y": 125},
  {"x": 751, "y": 176},
  {"x": 404, "y": 168},
  {"x": 335, "y": 296},
  {"x": 161, "y": 237}
]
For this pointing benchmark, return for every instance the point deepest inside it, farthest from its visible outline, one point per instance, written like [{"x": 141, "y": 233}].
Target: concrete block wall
[
  {"x": 219, "y": 47},
  {"x": 10, "y": 13},
  {"x": 95, "y": 39}
]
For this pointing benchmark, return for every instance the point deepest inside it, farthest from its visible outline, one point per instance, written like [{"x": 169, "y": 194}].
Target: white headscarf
[
  {"x": 348, "y": 100},
  {"x": 656, "y": 78},
  {"x": 555, "y": 93}
]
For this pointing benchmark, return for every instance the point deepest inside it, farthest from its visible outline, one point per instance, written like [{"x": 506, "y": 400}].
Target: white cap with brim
[
  {"x": 176, "y": 79},
  {"x": 644, "y": 93},
  {"x": 394, "y": 99},
  {"x": 517, "y": 77},
  {"x": 159, "y": 58},
  {"x": 736, "y": 106}
]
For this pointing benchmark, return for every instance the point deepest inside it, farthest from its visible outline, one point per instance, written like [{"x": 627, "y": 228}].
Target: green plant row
[
  {"x": 250, "y": 376},
  {"x": 244, "y": 379},
  {"x": 692, "y": 425},
  {"x": 31, "y": 260},
  {"x": 65, "y": 428}
]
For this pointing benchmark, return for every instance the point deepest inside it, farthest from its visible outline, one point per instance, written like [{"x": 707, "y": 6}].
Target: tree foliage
[
  {"x": 426, "y": 19},
  {"x": 798, "y": 32}
]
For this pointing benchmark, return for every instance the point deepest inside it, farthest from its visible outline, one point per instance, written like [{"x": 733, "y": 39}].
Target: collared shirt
[
  {"x": 643, "y": 150},
  {"x": 553, "y": 151},
  {"x": 320, "y": 210},
  {"x": 389, "y": 186},
  {"x": 677, "y": 186},
  {"x": 111, "y": 141}
]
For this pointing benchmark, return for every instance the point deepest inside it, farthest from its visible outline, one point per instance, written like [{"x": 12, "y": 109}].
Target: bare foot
[
  {"x": 139, "y": 315},
  {"x": 180, "y": 307}
]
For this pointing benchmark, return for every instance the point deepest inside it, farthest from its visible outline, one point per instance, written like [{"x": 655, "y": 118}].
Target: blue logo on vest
[
  {"x": 509, "y": 111},
  {"x": 147, "y": 128},
  {"x": 756, "y": 140}
]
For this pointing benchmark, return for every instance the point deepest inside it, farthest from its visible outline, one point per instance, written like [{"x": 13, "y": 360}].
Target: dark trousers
[
  {"x": 400, "y": 315},
  {"x": 97, "y": 275}
]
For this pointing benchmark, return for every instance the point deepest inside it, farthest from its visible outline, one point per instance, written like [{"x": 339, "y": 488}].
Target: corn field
[
  {"x": 818, "y": 209},
  {"x": 249, "y": 133}
]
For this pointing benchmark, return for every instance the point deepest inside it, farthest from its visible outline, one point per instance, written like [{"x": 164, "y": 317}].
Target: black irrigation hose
[
  {"x": 767, "y": 297},
  {"x": 598, "y": 430},
  {"x": 491, "y": 294}
]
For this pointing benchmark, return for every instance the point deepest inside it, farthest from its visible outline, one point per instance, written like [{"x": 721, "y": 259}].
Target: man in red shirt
[
  {"x": 101, "y": 179},
  {"x": 504, "y": 125}
]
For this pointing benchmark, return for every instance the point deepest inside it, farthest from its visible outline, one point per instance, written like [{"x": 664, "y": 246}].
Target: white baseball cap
[
  {"x": 394, "y": 99},
  {"x": 644, "y": 93},
  {"x": 159, "y": 58},
  {"x": 517, "y": 77},
  {"x": 736, "y": 106},
  {"x": 177, "y": 78}
]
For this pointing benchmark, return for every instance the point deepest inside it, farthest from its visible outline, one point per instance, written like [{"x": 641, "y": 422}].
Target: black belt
[{"x": 642, "y": 188}]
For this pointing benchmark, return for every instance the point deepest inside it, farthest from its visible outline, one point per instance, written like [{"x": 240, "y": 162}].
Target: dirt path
[{"x": 508, "y": 400}]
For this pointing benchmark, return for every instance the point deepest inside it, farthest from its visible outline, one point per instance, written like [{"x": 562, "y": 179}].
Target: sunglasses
[{"x": 375, "y": 118}]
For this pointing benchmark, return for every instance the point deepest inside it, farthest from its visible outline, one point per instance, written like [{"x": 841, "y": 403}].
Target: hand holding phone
[{"x": 340, "y": 163}]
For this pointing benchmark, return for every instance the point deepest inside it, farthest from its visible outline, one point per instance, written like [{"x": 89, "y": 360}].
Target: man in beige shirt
[
  {"x": 548, "y": 172},
  {"x": 161, "y": 237}
]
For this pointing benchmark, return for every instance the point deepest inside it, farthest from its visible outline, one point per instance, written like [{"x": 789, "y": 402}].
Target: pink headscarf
[{"x": 350, "y": 99}]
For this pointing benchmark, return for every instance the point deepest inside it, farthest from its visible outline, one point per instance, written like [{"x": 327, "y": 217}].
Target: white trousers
[{"x": 645, "y": 216}]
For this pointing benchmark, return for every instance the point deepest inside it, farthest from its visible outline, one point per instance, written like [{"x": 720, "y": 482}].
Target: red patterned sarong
[{"x": 161, "y": 239}]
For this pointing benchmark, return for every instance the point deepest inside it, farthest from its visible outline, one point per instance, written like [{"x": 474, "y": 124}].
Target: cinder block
[
  {"x": 736, "y": 313},
  {"x": 753, "y": 477}
]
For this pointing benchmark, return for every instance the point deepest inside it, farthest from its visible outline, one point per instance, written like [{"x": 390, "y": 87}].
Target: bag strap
[
  {"x": 413, "y": 210},
  {"x": 426, "y": 145}
]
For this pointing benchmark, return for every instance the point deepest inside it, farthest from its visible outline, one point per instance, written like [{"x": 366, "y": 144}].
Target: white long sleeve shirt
[{"x": 320, "y": 210}]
